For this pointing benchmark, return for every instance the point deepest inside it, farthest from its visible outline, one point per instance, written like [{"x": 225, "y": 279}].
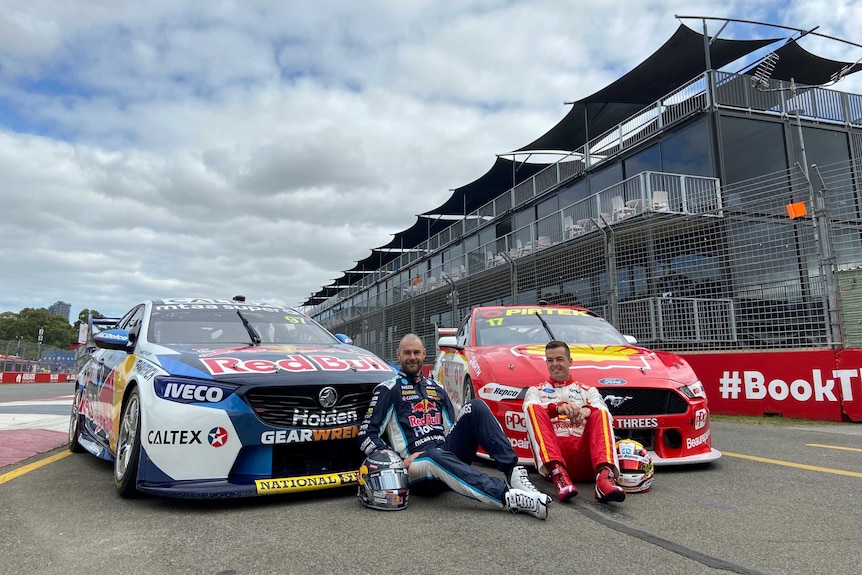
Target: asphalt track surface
[{"x": 786, "y": 497}]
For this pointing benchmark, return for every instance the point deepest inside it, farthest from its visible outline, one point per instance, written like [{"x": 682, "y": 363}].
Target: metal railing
[
  {"x": 734, "y": 91},
  {"x": 764, "y": 279},
  {"x": 740, "y": 276}
]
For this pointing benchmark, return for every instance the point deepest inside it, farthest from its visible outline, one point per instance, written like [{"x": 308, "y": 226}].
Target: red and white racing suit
[{"x": 581, "y": 448}]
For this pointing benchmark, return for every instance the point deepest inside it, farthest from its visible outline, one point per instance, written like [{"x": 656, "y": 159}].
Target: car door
[{"x": 99, "y": 381}]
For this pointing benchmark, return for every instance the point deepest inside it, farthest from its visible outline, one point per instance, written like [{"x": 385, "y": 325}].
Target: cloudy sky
[{"x": 185, "y": 148}]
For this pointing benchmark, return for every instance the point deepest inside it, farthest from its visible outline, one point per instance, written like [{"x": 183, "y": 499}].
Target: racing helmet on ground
[
  {"x": 383, "y": 481},
  {"x": 636, "y": 466}
]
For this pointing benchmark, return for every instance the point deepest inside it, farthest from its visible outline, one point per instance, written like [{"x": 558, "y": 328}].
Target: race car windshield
[
  {"x": 526, "y": 329},
  {"x": 221, "y": 327}
]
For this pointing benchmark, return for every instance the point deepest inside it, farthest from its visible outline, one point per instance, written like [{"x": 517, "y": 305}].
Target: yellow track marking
[
  {"x": 833, "y": 447},
  {"x": 32, "y": 467},
  {"x": 790, "y": 464}
]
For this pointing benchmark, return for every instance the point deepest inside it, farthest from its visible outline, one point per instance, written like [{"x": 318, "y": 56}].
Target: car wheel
[
  {"x": 468, "y": 393},
  {"x": 128, "y": 447},
  {"x": 75, "y": 422}
]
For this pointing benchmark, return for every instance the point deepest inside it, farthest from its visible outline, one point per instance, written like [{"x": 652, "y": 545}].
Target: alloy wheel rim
[{"x": 126, "y": 439}]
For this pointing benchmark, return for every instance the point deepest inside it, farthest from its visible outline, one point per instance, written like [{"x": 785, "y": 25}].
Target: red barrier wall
[
  {"x": 821, "y": 384},
  {"x": 27, "y": 377}
]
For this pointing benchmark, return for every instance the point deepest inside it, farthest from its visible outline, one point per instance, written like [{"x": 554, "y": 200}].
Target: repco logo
[{"x": 515, "y": 421}]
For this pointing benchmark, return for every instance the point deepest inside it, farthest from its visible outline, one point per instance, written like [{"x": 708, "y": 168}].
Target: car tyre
[
  {"x": 128, "y": 447},
  {"x": 468, "y": 393},
  {"x": 75, "y": 422}
]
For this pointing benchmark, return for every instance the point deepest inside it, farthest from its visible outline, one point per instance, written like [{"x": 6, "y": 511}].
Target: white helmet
[
  {"x": 636, "y": 467},
  {"x": 383, "y": 481}
]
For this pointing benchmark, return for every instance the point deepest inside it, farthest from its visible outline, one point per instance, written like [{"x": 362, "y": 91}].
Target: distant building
[{"x": 61, "y": 309}]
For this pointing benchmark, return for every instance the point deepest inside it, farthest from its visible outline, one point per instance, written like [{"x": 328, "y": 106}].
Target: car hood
[
  {"x": 270, "y": 364},
  {"x": 595, "y": 365}
]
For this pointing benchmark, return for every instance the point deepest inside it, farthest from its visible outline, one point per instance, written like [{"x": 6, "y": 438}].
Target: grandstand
[{"x": 707, "y": 201}]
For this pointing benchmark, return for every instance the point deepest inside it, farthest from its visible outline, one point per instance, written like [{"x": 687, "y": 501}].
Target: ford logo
[{"x": 612, "y": 381}]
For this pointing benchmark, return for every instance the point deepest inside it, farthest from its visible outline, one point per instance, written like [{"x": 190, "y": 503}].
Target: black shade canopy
[
  {"x": 678, "y": 60},
  {"x": 803, "y": 67},
  {"x": 503, "y": 175},
  {"x": 424, "y": 228}
]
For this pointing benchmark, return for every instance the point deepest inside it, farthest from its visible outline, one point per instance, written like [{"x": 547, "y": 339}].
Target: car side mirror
[
  {"x": 343, "y": 338},
  {"x": 117, "y": 339},
  {"x": 449, "y": 341},
  {"x": 631, "y": 339}
]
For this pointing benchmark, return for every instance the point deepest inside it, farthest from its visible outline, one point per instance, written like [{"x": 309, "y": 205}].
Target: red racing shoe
[
  {"x": 607, "y": 488},
  {"x": 565, "y": 489}
]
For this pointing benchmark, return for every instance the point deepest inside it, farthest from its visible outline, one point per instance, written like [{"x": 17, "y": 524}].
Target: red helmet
[{"x": 636, "y": 467}]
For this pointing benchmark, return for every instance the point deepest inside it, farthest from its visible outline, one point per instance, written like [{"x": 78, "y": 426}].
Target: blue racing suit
[{"x": 415, "y": 415}]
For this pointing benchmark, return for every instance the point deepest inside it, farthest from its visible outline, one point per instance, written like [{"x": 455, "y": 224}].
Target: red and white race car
[{"x": 655, "y": 397}]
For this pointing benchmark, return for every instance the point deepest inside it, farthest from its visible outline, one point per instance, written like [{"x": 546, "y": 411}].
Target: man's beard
[{"x": 411, "y": 369}]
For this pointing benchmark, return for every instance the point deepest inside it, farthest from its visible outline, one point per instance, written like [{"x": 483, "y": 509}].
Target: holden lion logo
[
  {"x": 327, "y": 397},
  {"x": 616, "y": 400},
  {"x": 217, "y": 436}
]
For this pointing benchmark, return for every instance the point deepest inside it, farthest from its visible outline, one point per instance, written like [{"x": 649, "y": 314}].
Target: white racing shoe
[
  {"x": 532, "y": 502},
  {"x": 520, "y": 479}
]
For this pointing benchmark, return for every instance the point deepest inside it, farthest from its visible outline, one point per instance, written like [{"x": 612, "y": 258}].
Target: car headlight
[{"x": 693, "y": 390}]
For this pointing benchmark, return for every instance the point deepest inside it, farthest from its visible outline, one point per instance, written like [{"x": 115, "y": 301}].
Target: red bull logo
[
  {"x": 424, "y": 406},
  {"x": 426, "y": 417}
]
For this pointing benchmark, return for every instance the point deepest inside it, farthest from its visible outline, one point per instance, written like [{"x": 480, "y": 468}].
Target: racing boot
[
  {"x": 565, "y": 489},
  {"x": 532, "y": 502},
  {"x": 607, "y": 488},
  {"x": 520, "y": 479}
]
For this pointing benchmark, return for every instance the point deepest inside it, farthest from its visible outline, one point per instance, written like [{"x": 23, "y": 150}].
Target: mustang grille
[
  {"x": 634, "y": 401},
  {"x": 645, "y": 437},
  {"x": 277, "y": 406}
]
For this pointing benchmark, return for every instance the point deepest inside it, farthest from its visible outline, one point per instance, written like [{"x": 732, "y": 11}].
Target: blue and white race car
[{"x": 223, "y": 398}]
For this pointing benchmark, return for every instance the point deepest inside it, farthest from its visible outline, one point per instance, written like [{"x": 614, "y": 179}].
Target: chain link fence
[
  {"x": 682, "y": 264},
  {"x": 34, "y": 357}
]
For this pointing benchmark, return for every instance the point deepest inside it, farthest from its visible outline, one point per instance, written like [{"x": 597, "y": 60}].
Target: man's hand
[
  {"x": 410, "y": 459},
  {"x": 574, "y": 413}
]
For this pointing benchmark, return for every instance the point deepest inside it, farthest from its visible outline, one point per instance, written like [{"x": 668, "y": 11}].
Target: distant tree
[
  {"x": 7, "y": 322},
  {"x": 26, "y": 324},
  {"x": 83, "y": 317}
]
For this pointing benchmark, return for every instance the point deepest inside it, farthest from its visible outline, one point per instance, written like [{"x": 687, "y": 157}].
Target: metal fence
[
  {"x": 679, "y": 262},
  {"x": 30, "y": 356}
]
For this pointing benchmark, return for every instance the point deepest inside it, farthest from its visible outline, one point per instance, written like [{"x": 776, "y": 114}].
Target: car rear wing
[
  {"x": 99, "y": 324},
  {"x": 446, "y": 336}
]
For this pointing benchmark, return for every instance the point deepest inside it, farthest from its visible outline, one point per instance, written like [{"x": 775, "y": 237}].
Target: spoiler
[
  {"x": 99, "y": 324},
  {"x": 445, "y": 332}
]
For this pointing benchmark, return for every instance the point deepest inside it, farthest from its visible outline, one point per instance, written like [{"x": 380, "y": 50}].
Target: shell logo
[{"x": 589, "y": 353}]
